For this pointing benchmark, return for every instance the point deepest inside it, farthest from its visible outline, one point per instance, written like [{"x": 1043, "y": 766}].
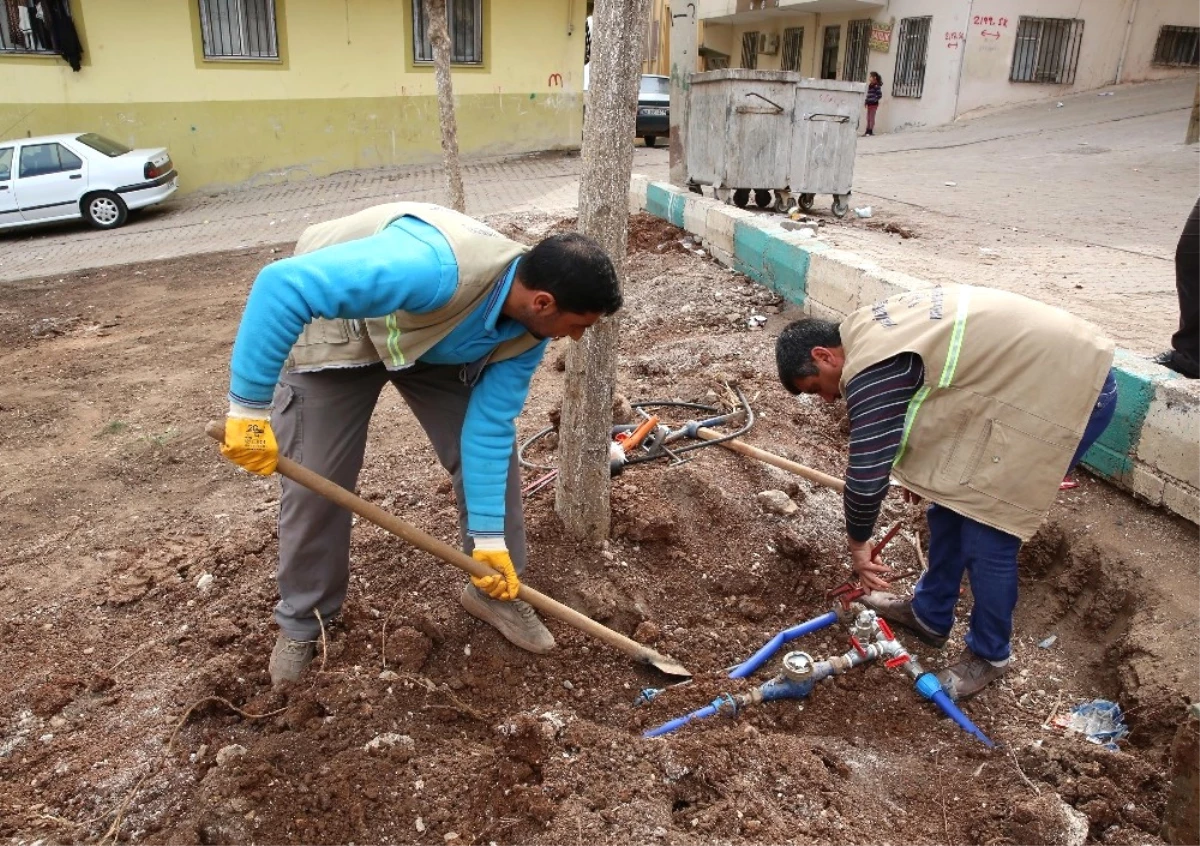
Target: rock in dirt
[
  {"x": 622, "y": 410},
  {"x": 228, "y": 753},
  {"x": 647, "y": 632},
  {"x": 388, "y": 740},
  {"x": 777, "y": 502}
]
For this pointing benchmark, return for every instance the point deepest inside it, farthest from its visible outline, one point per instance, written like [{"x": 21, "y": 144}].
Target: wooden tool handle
[
  {"x": 451, "y": 555},
  {"x": 775, "y": 460}
]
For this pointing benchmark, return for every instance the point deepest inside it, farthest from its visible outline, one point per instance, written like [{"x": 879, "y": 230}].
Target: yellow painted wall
[{"x": 345, "y": 93}]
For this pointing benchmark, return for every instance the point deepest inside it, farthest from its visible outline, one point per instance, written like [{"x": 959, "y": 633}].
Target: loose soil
[{"x": 137, "y": 587}]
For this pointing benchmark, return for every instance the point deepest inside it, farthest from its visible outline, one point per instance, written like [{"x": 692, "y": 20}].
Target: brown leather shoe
[
  {"x": 968, "y": 675},
  {"x": 514, "y": 619},
  {"x": 897, "y": 610}
]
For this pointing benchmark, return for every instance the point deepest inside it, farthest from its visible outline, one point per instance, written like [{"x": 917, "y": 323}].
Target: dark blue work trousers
[{"x": 989, "y": 557}]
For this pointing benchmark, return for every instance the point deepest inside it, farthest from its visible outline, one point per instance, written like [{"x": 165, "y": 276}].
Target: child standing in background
[{"x": 874, "y": 95}]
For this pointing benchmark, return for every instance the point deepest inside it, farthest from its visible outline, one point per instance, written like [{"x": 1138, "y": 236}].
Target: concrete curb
[{"x": 1152, "y": 447}]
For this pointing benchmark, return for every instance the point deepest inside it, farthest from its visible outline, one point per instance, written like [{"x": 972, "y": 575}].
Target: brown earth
[{"x": 137, "y": 703}]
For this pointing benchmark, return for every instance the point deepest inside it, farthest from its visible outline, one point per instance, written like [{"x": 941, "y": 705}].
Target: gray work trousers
[{"x": 321, "y": 420}]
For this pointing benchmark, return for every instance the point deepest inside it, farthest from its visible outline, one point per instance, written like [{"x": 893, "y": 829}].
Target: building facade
[
  {"x": 940, "y": 59},
  {"x": 255, "y": 91}
]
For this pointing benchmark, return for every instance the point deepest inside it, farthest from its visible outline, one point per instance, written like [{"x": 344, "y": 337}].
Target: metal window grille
[
  {"x": 829, "y": 52},
  {"x": 912, "y": 47},
  {"x": 858, "y": 39},
  {"x": 1047, "y": 50},
  {"x": 20, "y": 32},
  {"x": 239, "y": 29},
  {"x": 1178, "y": 46},
  {"x": 750, "y": 50},
  {"x": 793, "y": 41},
  {"x": 465, "y": 23}
]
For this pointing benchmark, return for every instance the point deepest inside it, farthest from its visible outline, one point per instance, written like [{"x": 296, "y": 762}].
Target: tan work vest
[
  {"x": 1009, "y": 386},
  {"x": 400, "y": 338}
]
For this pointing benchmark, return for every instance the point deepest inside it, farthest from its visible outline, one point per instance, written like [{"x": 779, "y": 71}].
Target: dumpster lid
[{"x": 747, "y": 75}]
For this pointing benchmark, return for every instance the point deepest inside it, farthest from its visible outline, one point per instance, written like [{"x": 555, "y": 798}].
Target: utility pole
[{"x": 683, "y": 46}]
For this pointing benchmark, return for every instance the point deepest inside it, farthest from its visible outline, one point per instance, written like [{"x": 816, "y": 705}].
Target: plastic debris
[
  {"x": 1100, "y": 721},
  {"x": 1105, "y": 94},
  {"x": 756, "y": 320},
  {"x": 1059, "y": 106},
  {"x": 1048, "y": 642},
  {"x": 865, "y": 211},
  {"x": 951, "y": 184}
]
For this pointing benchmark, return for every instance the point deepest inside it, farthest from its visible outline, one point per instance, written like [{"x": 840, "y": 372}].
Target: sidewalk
[{"x": 272, "y": 214}]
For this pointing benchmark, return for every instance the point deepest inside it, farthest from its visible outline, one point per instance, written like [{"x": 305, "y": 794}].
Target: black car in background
[{"x": 654, "y": 108}]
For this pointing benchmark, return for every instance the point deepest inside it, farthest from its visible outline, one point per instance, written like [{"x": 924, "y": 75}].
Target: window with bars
[
  {"x": 1177, "y": 46},
  {"x": 239, "y": 29},
  {"x": 912, "y": 48},
  {"x": 858, "y": 39},
  {"x": 793, "y": 42},
  {"x": 1047, "y": 50},
  {"x": 750, "y": 50},
  {"x": 22, "y": 30},
  {"x": 465, "y": 24},
  {"x": 829, "y": 52}
]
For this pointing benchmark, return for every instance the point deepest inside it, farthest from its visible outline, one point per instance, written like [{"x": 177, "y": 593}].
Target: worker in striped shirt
[{"x": 976, "y": 400}]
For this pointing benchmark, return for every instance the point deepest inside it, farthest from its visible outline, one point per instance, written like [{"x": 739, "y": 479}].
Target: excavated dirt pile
[{"x": 137, "y": 587}]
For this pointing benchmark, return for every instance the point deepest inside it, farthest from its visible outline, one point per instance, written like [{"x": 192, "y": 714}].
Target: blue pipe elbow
[{"x": 770, "y": 647}]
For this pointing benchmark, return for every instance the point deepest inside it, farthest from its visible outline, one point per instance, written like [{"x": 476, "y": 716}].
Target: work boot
[
  {"x": 289, "y": 658},
  {"x": 514, "y": 619},
  {"x": 969, "y": 675},
  {"x": 897, "y": 610}
]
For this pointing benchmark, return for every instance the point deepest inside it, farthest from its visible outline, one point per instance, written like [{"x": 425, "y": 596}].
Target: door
[
  {"x": 829, "y": 52},
  {"x": 50, "y": 181},
  {"x": 8, "y": 197}
]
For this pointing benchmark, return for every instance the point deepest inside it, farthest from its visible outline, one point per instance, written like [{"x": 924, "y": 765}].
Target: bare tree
[
  {"x": 618, "y": 42},
  {"x": 439, "y": 38}
]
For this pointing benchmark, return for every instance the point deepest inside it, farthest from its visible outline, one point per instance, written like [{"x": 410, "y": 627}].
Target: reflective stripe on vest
[{"x": 947, "y": 377}]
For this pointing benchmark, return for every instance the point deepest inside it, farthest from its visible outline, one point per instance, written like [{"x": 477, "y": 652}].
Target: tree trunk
[
  {"x": 618, "y": 42},
  {"x": 439, "y": 37}
]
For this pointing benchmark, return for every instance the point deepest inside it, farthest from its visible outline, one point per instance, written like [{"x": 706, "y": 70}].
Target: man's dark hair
[
  {"x": 576, "y": 271},
  {"x": 794, "y": 346}
]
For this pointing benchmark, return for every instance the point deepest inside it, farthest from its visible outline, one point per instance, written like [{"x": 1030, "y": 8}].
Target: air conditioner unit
[{"x": 768, "y": 43}]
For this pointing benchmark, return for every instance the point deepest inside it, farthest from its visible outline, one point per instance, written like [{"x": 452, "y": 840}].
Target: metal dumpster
[{"x": 758, "y": 132}]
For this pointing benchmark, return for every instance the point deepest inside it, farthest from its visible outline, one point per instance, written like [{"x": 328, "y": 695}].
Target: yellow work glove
[
  {"x": 249, "y": 441},
  {"x": 493, "y": 552}
]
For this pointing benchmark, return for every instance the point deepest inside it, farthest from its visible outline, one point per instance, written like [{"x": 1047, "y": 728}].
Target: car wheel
[
  {"x": 104, "y": 210},
  {"x": 650, "y": 140}
]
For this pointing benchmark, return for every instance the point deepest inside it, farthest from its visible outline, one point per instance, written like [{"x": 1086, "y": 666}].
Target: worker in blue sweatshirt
[{"x": 457, "y": 318}]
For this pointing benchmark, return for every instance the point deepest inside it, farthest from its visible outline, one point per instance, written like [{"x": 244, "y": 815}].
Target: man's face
[
  {"x": 827, "y": 383},
  {"x": 544, "y": 319}
]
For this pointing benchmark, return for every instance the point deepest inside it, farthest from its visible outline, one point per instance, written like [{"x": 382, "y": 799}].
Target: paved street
[{"x": 1080, "y": 205}]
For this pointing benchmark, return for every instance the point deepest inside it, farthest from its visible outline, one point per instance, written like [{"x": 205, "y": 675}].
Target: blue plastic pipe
[
  {"x": 929, "y": 687},
  {"x": 759, "y": 658},
  {"x": 707, "y": 711}
]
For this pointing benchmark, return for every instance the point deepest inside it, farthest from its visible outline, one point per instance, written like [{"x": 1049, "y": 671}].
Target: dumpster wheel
[
  {"x": 841, "y": 205},
  {"x": 805, "y": 201}
]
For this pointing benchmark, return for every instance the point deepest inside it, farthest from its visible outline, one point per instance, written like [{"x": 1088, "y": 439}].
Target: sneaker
[
  {"x": 514, "y": 619},
  {"x": 289, "y": 658},
  {"x": 897, "y": 610},
  {"x": 969, "y": 675}
]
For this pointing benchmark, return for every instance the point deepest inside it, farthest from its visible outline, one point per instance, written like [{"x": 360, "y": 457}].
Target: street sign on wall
[{"x": 881, "y": 35}]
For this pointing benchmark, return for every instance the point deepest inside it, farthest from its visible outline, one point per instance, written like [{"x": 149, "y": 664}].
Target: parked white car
[{"x": 61, "y": 177}]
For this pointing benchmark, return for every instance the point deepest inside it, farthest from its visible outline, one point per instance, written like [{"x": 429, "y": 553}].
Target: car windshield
[
  {"x": 107, "y": 146},
  {"x": 655, "y": 85}
]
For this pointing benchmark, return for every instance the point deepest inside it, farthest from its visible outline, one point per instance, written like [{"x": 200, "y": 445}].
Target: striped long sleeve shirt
[{"x": 876, "y": 400}]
